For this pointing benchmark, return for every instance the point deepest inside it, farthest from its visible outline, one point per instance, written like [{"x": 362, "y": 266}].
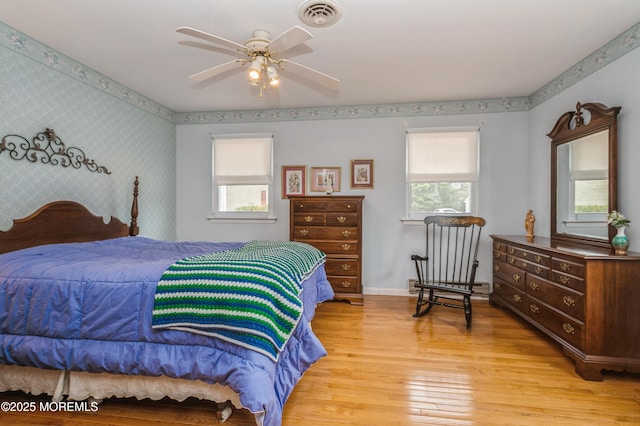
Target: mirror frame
[{"x": 570, "y": 127}]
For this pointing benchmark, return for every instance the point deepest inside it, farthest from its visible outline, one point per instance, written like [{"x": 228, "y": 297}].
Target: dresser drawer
[
  {"x": 510, "y": 274},
  {"x": 341, "y": 284},
  {"x": 341, "y": 267},
  {"x": 528, "y": 266},
  {"x": 326, "y": 233},
  {"x": 509, "y": 294},
  {"x": 568, "y": 267},
  {"x": 500, "y": 246},
  {"x": 329, "y": 205},
  {"x": 309, "y": 219},
  {"x": 562, "y": 298},
  {"x": 563, "y": 326},
  {"x": 530, "y": 256},
  {"x": 500, "y": 255},
  {"x": 575, "y": 283},
  {"x": 342, "y": 219},
  {"x": 337, "y": 247}
]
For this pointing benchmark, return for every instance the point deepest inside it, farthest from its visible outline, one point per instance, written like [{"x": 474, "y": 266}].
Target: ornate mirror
[{"x": 584, "y": 175}]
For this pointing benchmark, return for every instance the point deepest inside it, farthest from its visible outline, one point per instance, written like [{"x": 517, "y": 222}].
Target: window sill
[
  {"x": 584, "y": 223},
  {"x": 243, "y": 220}
]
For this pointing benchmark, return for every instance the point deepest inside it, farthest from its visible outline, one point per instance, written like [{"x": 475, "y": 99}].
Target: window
[
  {"x": 442, "y": 171},
  {"x": 242, "y": 176},
  {"x": 589, "y": 162}
]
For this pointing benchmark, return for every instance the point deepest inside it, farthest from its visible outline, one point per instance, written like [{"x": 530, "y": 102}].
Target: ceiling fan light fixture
[
  {"x": 272, "y": 76},
  {"x": 255, "y": 70}
]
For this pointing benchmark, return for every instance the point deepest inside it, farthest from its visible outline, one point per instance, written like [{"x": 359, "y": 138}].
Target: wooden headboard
[{"x": 66, "y": 222}]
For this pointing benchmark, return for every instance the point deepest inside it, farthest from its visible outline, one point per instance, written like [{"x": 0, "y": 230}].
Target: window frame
[
  {"x": 411, "y": 216},
  {"x": 242, "y": 216}
]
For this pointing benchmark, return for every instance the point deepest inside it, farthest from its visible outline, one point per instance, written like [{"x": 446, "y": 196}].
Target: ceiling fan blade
[
  {"x": 289, "y": 39},
  {"x": 210, "y": 37},
  {"x": 217, "y": 70},
  {"x": 311, "y": 74}
]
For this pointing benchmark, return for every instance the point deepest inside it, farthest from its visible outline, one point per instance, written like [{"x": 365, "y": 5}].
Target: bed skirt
[{"x": 79, "y": 386}]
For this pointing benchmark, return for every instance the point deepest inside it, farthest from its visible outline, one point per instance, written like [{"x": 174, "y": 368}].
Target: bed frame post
[{"x": 133, "y": 229}]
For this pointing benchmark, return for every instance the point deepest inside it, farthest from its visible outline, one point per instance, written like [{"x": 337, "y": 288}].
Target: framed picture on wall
[
  {"x": 362, "y": 174},
  {"x": 325, "y": 179},
  {"x": 293, "y": 180}
]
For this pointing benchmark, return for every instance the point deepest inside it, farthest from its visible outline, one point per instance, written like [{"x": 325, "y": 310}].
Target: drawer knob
[
  {"x": 512, "y": 260},
  {"x": 568, "y": 328},
  {"x": 538, "y": 258},
  {"x": 534, "y": 308},
  {"x": 497, "y": 268},
  {"x": 497, "y": 286},
  {"x": 512, "y": 250},
  {"x": 569, "y": 301},
  {"x": 525, "y": 254},
  {"x": 565, "y": 267},
  {"x": 342, "y": 219},
  {"x": 517, "y": 298},
  {"x": 498, "y": 246},
  {"x": 345, "y": 266},
  {"x": 304, "y": 232},
  {"x": 346, "y": 247},
  {"x": 534, "y": 286},
  {"x": 538, "y": 270},
  {"x": 308, "y": 219},
  {"x": 346, "y": 284},
  {"x": 516, "y": 278},
  {"x": 346, "y": 233},
  {"x": 565, "y": 280}
]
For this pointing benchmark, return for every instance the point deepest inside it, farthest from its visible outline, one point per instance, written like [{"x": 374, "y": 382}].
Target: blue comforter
[{"x": 88, "y": 307}]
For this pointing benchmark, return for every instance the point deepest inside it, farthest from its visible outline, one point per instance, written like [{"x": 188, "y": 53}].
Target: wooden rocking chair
[{"x": 450, "y": 263}]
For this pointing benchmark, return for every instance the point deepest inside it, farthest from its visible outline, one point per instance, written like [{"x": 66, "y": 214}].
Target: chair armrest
[{"x": 418, "y": 257}]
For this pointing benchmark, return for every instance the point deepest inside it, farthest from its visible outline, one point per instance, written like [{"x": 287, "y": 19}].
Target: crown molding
[{"x": 33, "y": 49}]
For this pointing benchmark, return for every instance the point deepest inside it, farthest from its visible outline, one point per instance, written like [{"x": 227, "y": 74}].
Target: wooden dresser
[
  {"x": 586, "y": 299},
  {"x": 333, "y": 224}
]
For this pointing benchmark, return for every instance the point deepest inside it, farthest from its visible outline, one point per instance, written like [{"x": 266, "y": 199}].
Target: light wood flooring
[{"x": 387, "y": 368}]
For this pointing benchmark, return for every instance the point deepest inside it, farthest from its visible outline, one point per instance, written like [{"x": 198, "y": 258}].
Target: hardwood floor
[{"x": 387, "y": 368}]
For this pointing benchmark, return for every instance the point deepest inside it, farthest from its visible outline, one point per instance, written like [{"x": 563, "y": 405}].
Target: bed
[{"x": 81, "y": 316}]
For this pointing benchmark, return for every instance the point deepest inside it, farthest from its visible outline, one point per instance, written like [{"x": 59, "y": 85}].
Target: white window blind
[
  {"x": 442, "y": 156},
  {"x": 590, "y": 157},
  {"x": 242, "y": 159}
]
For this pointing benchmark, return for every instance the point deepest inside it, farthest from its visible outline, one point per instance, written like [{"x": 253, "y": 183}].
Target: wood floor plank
[{"x": 387, "y": 368}]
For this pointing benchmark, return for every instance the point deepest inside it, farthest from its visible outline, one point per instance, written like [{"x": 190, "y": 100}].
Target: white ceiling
[{"x": 382, "y": 51}]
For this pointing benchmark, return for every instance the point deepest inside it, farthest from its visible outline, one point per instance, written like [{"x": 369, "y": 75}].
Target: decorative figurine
[{"x": 529, "y": 222}]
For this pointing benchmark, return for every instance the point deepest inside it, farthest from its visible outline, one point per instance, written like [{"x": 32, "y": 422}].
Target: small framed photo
[
  {"x": 325, "y": 179},
  {"x": 293, "y": 180},
  {"x": 361, "y": 173}
]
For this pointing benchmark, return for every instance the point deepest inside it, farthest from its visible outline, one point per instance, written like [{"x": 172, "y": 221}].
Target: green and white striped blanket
[{"x": 248, "y": 296}]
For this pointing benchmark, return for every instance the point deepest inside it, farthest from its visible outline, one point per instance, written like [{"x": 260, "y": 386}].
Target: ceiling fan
[{"x": 262, "y": 56}]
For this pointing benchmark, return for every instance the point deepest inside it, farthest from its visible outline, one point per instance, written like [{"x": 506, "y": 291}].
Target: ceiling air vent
[{"x": 318, "y": 13}]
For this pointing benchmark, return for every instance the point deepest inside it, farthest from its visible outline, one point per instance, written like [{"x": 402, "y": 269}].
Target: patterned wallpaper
[{"x": 127, "y": 139}]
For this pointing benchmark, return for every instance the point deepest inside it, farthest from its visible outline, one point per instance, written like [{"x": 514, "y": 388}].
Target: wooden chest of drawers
[
  {"x": 333, "y": 224},
  {"x": 581, "y": 297}
]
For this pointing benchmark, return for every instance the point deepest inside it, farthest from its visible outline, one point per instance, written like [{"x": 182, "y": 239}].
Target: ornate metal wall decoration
[{"x": 48, "y": 148}]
